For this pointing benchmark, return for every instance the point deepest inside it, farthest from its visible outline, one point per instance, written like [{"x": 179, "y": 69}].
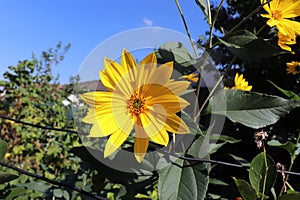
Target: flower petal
[
  {"x": 161, "y": 138},
  {"x": 178, "y": 87},
  {"x": 175, "y": 124},
  {"x": 111, "y": 74},
  {"x": 141, "y": 144},
  {"x": 154, "y": 126},
  {"x": 162, "y": 74},
  {"x": 96, "y": 98},
  {"x": 114, "y": 142},
  {"x": 127, "y": 61},
  {"x": 171, "y": 103}
]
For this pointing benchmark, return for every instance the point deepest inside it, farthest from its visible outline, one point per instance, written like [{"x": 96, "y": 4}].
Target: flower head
[
  {"x": 279, "y": 12},
  {"x": 240, "y": 83},
  {"x": 140, "y": 98},
  {"x": 284, "y": 41},
  {"x": 193, "y": 77},
  {"x": 293, "y": 67}
]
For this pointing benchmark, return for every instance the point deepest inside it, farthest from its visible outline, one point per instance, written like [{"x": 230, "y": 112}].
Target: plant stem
[
  {"x": 213, "y": 90},
  {"x": 246, "y": 18},
  {"x": 209, "y": 96},
  {"x": 186, "y": 27},
  {"x": 293, "y": 157},
  {"x": 266, "y": 174},
  {"x": 211, "y": 27}
]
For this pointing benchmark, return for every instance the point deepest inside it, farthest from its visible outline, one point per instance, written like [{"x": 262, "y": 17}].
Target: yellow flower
[
  {"x": 240, "y": 83},
  {"x": 140, "y": 98},
  {"x": 279, "y": 12},
  {"x": 293, "y": 67},
  {"x": 191, "y": 77},
  {"x": 284, "y": 41}
]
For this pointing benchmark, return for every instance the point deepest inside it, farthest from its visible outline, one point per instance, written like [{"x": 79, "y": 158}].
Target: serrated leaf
[
  {"x": 3, "y": 148},
  {"x": 6, "y": 177},
  {"x": 262, "y": 173},
  {"x": 245, "y": 189},
  {"x": 252, "y": 109},
  {"x": 183, "y": 180},
  {"x": 289, "y": 94}
]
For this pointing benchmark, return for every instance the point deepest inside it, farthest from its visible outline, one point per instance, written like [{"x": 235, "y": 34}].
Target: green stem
[
  {"x": 266, "y": 174},
  {"x": 290, "y": 186},
  {"x": 186, "y": 27},
  {"x": 290, "y": 167},
  {"x": 211, "y": 27},
  {"x": 206, "y": 55},
  {"x": 209, "y": 96},
  {"x": 260, "y": 30}
]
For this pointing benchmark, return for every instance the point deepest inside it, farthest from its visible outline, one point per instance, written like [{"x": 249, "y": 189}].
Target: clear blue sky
[{"x": 33, "y": 26}]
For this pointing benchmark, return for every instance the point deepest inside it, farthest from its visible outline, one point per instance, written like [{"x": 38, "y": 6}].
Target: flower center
[
  {"x": 137, "y": 104},
  {"x": 277, "y": 14}
]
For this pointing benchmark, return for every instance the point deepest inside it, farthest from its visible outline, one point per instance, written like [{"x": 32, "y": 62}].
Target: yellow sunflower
[
  {"x": 293, "y": 67},
  {"x": 284, "y": 41},
  {"x": 279, "y": 14},
  {"x": 140, "y": 98},
  {"x": 240, "y": 83}
]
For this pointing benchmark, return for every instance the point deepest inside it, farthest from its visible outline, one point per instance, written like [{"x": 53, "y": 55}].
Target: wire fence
[{"x": 79, "y": 190}]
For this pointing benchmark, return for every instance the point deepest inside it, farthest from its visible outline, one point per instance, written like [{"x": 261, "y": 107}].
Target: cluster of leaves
[
  {"x": 31, "y": 93},
  {"x": 187, "y": 177}
]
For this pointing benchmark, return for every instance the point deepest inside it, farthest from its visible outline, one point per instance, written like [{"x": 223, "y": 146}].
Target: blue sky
[{"x": 33, "y": 26}]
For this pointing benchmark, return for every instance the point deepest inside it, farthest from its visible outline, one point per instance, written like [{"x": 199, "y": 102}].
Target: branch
[{"x": 52, "y": 181}]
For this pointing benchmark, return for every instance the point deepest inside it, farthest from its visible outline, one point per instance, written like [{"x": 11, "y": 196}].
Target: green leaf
[
  {"x": 224, "y": 138},
  {"x": 6, "y": 177},
  {"x": 289, "y": 146},
  {"x": 183, "y": 180},
  {"x": 180, "y": 53},
  {"x": 87, "y": 154},
  {"x": 35, "y": 185},
  {"x": 241, "y": 38},
  {"x": 215, "y": 181},
  {"x": 205, "y": 7},
  {"x": 246, "y": 46},
  {"x": 262, "y": 173},
  {"x": 252, "y": 109},
  {"x": 201, "y": 146},
  {"x": 289, "y": 94},
  {"x": 245, "y": 189},
  {"x": 240, "y": 160},
  {"x": 292, "y": 196},
  {"x": 213, "y": 148},
  {"x": 16, "y": 192},
  {"x": 184, "y": 62},
  {"x": 3, "y": 148}
]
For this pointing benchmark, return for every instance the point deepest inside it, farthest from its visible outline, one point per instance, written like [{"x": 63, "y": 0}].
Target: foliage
[
  {"x": 257, "y": 129},
  {"x": 31, "y": 93}
]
